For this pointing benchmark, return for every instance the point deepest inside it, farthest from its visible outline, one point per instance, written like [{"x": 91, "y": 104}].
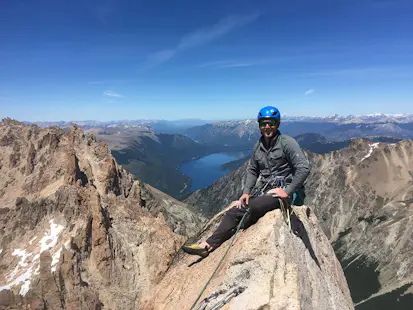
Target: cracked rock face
[
  {"x": 268, "y": 267},
  {"x": 364, "y": 199},
  {"x": 76, "y": 231}
]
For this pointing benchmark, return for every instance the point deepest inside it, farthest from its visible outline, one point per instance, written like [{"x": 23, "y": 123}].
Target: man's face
[{"x": 268, "y": 127}]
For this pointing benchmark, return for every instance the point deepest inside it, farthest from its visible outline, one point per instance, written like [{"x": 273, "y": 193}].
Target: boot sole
[{"x": 195, "y": 252}]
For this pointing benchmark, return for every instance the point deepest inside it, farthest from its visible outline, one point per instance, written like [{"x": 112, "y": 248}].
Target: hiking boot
[{"x": 195, "y": 249}]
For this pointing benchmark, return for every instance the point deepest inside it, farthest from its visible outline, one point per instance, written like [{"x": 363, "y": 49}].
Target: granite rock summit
[{"x": 77, "y": 232}]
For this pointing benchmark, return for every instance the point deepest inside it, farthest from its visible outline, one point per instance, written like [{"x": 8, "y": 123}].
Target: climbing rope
[{"x": 220, "y": 262}]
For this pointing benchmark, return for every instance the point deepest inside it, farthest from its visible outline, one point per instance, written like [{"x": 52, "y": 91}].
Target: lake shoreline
[{"x": 205, "y": 170}]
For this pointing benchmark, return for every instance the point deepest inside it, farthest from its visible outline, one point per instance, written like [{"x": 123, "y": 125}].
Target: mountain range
[
  {"x": 373, "y": 118},
  {"x": 154, "y": 156},
  {"x": 98, "y": 225},
  {"x": 167, "y": 126},
  {"x": 363, "y": 197},
  {"x": 160, "y": 126},
  {"x": 78, "y": 232},
  {"x": 246, "y": 133}
]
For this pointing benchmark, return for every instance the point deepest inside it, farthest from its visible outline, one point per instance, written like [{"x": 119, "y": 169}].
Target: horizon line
[{"x": 286, "y": 116}]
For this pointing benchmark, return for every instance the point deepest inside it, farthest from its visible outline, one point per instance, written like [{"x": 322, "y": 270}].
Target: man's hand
[
  {"x": 245, "y": 197},
  {"x": 278, "y": 192}
]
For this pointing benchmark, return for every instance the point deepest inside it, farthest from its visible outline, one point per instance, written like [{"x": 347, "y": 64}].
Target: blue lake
[{"x": 205, "y": 170}]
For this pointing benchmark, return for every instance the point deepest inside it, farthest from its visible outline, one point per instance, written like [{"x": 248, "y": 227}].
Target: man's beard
[{"x": 268, "y": 133}]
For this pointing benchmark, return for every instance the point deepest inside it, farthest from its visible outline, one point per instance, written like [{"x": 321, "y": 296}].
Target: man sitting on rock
[{"x": 274, "y": 155}]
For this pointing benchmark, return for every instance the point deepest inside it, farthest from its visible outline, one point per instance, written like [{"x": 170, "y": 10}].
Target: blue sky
[{"x": 107, "y": 60}]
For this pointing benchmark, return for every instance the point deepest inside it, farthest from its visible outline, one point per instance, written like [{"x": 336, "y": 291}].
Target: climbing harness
[
  {"x": 272, "y": 182},
  {"x": 222, "y": 259},
  {"x": 298, "y": 196},
  {"x": 285, "y": 206}
]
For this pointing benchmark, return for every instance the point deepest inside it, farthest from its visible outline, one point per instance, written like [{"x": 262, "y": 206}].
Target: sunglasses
[{"x": 264, "y": 123}]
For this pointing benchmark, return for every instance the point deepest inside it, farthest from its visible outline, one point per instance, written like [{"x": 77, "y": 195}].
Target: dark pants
[{"x": 258, "y": 207}]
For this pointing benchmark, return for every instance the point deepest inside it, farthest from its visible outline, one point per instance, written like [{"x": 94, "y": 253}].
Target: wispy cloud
[
  {"x": 214, "y": 64},
  {"x": 111, "y": 94},
  {"x": 238, "y": 65},
  {"x": 110, "y": 83},
  {"x": 202, "y": 36},
  {"x": 224, "y": 64},
  {"x": 309, "y": 92}
]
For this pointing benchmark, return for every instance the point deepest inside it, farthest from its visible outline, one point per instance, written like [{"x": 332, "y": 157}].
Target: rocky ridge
[
  {"x": 77, "y": 232},
  {"x": 268, "y": 267},
  {"x": 364, "y": 198}
]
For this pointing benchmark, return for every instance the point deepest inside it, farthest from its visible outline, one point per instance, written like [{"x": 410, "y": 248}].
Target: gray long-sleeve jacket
[{"x": 285, "y": 159}]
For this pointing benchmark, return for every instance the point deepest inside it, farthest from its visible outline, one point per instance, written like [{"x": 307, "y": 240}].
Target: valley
[
  {"x": 154, "y": 157},
  {"x": 154, "y": 151},
  {"x": 360, "y": 190}
]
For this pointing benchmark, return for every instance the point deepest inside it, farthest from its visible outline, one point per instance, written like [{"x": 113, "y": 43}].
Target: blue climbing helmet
[{"x": 269, "y": 112}]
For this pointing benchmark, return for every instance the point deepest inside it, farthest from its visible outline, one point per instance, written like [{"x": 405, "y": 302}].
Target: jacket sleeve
[
  {"x": 299, "y": 163},
  {"x": 253, "y": 172}
]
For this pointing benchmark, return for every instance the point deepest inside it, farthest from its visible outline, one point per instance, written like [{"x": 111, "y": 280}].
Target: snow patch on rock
[
  {"x": 31, "y": 241},
  {"x": 372, "y": 147},
  {"x": 20, "y": 274},
  {"x": 29, "y": 262},
  {"x": 67, "y": 244},
  {"x": 50, "y": 239}
]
